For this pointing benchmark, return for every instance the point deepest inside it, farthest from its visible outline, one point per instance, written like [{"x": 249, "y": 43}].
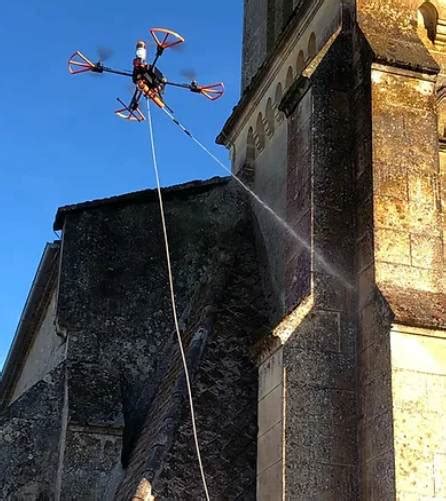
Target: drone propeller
[
  {"x": 189, "y": 73},
  {"x": 104, "y": 53},
  {"x": 178, "y": 48}
]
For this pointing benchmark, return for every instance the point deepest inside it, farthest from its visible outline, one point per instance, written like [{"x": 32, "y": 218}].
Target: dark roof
[{"x": 143, "y": 196}]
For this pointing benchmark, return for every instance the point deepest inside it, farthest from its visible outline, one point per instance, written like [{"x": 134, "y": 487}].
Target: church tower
[{"x": 341, "y": 131}]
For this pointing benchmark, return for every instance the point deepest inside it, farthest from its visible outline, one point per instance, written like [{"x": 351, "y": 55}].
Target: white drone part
[{"x": 141, "y": 51}]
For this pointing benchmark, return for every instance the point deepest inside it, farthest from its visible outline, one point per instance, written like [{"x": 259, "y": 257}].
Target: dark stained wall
[
  {"x": 30, "y": 433},
  {"x": 254, "y": 37},
  {"x": 124, "y": 371}
]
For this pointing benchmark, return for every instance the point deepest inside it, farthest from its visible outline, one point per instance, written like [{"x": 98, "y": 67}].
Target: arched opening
[
  {"x": 427, "y": 20},
  {"x": 279, "y": 94},
  {"x": 269, "y": 114},
  {"x": 247, "y": 172},
  {"x": 312, "y": 46},
  {"x": 260, "y": 132},
  {"x": 277, "y": 100},
  {"x": 250, "y": 148},
  {"x": 300, "y": 63},
  {"x": 233, "y": 154},
  {"x": 289, "y": 78}
]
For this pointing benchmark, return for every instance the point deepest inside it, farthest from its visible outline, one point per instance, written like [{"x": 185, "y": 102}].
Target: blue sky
[{"x": 60, "y": 142}]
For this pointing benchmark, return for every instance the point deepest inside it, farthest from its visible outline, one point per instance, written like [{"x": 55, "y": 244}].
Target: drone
[{"x": 149, "y": 81}]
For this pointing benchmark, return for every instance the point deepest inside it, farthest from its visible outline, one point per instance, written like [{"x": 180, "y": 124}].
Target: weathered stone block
[
  {"x": 374, "y": 325},
  {"x": 271, "y": 373},
  {"x": 365, "y": 250},
  {"x": 407, "y": 277},
  {"x": 269, "y": 448},
  {"x": 270, "y": 409},
  {"x": 414, "y": 472},
  {"x": 426, "y": 251},
  {"x": 391, "y": 212},
  {"x": 389, "y": 182},
  {"x": 377, "y": 436},
  {"x": 375, "y": 380},
  {"x": 270, "y": 483},
  {"x": 366, "y": 284},
  {"x": 319, "y": 481},
  {"x": 378, "y": 481},
  {"x": 440, "y": 474},
  {"x": 392, "y": 246}
]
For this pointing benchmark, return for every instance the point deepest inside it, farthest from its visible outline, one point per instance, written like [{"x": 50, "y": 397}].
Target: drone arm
[
  {"x": 212, "y": 91},
  {"x": 159, "y": 53},
  {"x": 189, "y": 86},
  {"x": 78, "y": 63},
  {"x": 106, "y": 69}
]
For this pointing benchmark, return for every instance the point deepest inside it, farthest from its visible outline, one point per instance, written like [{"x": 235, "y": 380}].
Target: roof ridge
[{"x": 188, "y": 188}]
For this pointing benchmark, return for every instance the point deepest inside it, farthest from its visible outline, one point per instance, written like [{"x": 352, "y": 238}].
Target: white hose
[{"x": 172, "y": 297}]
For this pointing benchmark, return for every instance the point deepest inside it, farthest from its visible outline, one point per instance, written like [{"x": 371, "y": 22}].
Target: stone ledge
[
  {"x": 416, "y": 308},
  {"x": 270, "y": 343},
  {"x": 391, "y": 42}
]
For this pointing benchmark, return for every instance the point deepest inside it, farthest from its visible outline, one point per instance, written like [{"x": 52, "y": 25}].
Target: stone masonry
[
  {"x": 356, "y": 353},
  {"x": 112, "y": 413},
  {"x": 315, "y": 332}
]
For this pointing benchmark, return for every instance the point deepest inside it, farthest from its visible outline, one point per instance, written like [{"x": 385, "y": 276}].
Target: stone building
[{"x": 316, "y": 339}]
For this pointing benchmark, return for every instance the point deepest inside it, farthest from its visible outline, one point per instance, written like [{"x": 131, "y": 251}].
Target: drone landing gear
[{"x": 127, "y": 113}]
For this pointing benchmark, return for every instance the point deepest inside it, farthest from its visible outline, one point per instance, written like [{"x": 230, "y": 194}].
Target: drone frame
[
  {"x": 164, "y": 39},
  {"x": 127, "y": 113},
  {"x": 169, "y": 38},
  {"x": 81, "y": 62},
  {"x": 212, "y": 91}
]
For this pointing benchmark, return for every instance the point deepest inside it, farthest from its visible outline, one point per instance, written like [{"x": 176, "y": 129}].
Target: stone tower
[{"x": 341, "y": 130}]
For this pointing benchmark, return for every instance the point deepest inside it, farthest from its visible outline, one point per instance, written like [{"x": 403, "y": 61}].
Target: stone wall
[
  {"x": 254, "y": 38},
  {"x": 400, "y": 232},
  {"x": 277, "y": 151},
  {"x": 46, "y": 352},
  {"x": 307, "y": 393},
  {"x": 419, "y": 405},
  {"x": 124, "y": 371},
  {"x": 319, "y": 353},
  {"x": 30, "y": 432},
  {"x": 298, "y": 201},
  {"x": 270, "y": 181}
]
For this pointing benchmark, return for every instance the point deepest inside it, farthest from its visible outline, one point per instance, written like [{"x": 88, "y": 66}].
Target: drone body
[{"x": 149, "y": 81}]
